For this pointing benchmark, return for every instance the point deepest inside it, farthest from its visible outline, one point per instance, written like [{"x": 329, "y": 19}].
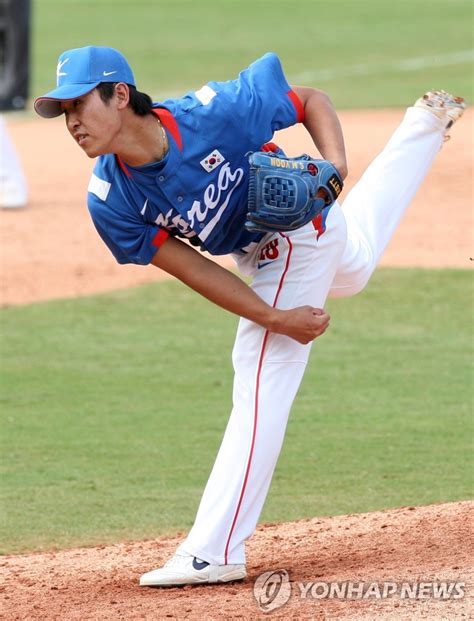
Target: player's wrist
[
  {"x": 273, "y": 320},
  {"x": 341, "y": 166}
]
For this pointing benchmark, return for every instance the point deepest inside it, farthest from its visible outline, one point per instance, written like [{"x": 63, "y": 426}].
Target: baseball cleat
[
  {"x": 183, "y": 569},
  {"x": 442, "y": 105}
]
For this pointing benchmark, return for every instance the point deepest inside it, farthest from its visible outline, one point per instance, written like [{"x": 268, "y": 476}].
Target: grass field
[
  {"x": 114, "y": 407},
  {"x": 365, "y": 53}
]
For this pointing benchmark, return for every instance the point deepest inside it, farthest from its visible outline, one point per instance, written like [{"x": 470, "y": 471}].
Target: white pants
[{"x": 289, "y": 270}]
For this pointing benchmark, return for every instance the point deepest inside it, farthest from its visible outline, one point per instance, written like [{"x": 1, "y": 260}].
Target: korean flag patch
[{"x": 212, "y": 161}]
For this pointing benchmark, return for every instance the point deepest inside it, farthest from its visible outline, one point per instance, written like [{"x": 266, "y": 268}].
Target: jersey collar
[{"x": 175, "y": 145}]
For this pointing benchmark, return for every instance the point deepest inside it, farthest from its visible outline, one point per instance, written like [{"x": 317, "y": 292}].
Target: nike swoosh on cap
[{"x": 107, "y": 73}]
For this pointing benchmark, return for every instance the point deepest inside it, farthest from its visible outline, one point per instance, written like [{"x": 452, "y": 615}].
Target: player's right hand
[{"x": 304, "y": 323}]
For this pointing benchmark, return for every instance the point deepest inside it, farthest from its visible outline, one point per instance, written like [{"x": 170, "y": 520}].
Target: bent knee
[{"x": 349, "y": 287}]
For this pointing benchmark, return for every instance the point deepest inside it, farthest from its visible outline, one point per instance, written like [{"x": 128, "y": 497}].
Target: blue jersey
[{"x": 199, "y": 191}]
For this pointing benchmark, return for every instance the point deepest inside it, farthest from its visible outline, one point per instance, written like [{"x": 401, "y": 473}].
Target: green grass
[
  {"x": 179, "y": 45},
  {"x": 113, "y": 408}
]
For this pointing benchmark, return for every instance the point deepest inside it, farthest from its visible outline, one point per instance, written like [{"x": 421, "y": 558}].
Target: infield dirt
[
  {"x": 406, "y": 545},
  {"x": 50, "y": 250}
]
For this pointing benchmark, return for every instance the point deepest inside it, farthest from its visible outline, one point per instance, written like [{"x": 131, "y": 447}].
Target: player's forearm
[
  {"x": 323, "y": 125},
  {"x": 213, "y": 282},
  {"x": 225, "y": 289}
]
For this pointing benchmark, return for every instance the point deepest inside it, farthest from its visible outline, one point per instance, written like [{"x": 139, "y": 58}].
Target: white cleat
[
  {"x": 443, "y": 105},
  {"x": 184, "y": 569}
]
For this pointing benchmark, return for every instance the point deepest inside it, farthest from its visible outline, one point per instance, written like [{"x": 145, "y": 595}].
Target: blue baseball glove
[{"x": 285, "y": 193}]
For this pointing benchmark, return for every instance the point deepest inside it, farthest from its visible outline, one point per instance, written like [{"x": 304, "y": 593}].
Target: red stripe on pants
[{"x": 255, "y": 417}]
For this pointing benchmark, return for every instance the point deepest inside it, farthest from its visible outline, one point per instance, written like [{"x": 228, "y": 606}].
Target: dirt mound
[
  {"x": 51, "y": 250},
  {"x": 410, "y": 545}
]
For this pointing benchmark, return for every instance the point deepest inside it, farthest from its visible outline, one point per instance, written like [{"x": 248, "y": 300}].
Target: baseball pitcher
[{"x": 202, "y": 169}]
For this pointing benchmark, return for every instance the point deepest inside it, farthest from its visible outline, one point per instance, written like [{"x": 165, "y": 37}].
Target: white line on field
[{"x": 409, "y": 64}]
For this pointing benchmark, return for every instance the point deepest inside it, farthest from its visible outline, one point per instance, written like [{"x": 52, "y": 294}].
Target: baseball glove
[{"x": 286, "y": 193}]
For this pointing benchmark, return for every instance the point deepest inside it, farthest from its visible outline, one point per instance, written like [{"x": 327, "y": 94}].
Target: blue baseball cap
[{"x": 79, "y": 71}]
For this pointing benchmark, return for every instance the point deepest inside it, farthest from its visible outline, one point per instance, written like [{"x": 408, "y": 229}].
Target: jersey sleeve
[
  {"x": 130, "y": 239},
  {"x": 261, "y": 99}
]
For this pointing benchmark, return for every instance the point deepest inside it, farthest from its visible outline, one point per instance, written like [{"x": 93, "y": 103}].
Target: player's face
[{"x": 93, "y": 123}]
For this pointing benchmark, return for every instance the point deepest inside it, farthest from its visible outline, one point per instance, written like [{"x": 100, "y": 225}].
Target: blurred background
[{"x": 369, "y": 53}]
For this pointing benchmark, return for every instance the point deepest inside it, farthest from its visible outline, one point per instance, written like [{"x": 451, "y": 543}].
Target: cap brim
[{"x": 49, "y": 105}]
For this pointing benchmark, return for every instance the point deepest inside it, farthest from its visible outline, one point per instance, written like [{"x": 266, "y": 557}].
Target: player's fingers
[
  {"x": 304, "y": 324},
  {"x": 321, "y": 320},
  {"x": 323, "y": 324}
]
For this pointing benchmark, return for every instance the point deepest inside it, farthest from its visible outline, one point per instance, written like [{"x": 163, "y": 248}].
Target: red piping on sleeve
[
  {"x": 160, "y": 238},
  {"x": 270, "y": 147},
  {"x": 299, "y": 108}
]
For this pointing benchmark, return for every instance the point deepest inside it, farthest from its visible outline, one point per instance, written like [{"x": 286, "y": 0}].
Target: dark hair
[{"x": 140, "y": 103}]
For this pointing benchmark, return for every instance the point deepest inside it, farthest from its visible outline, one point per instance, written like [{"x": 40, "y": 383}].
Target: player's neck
[{"x": 141, "y": 141}]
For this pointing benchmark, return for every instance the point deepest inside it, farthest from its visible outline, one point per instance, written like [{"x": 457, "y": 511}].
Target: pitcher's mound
[{"x": 407, "y": 563}]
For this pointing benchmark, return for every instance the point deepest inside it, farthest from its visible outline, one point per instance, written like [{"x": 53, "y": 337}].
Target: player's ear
[{"x": 122, "y": 94}]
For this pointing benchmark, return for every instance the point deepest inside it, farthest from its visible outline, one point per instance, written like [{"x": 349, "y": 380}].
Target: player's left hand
[
  {"x": 304, "y": 323},
  {"x": 285, "y": 193}
]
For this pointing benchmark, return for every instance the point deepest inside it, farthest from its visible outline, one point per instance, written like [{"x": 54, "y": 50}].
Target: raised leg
[{"x": 377, "y": 202}]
